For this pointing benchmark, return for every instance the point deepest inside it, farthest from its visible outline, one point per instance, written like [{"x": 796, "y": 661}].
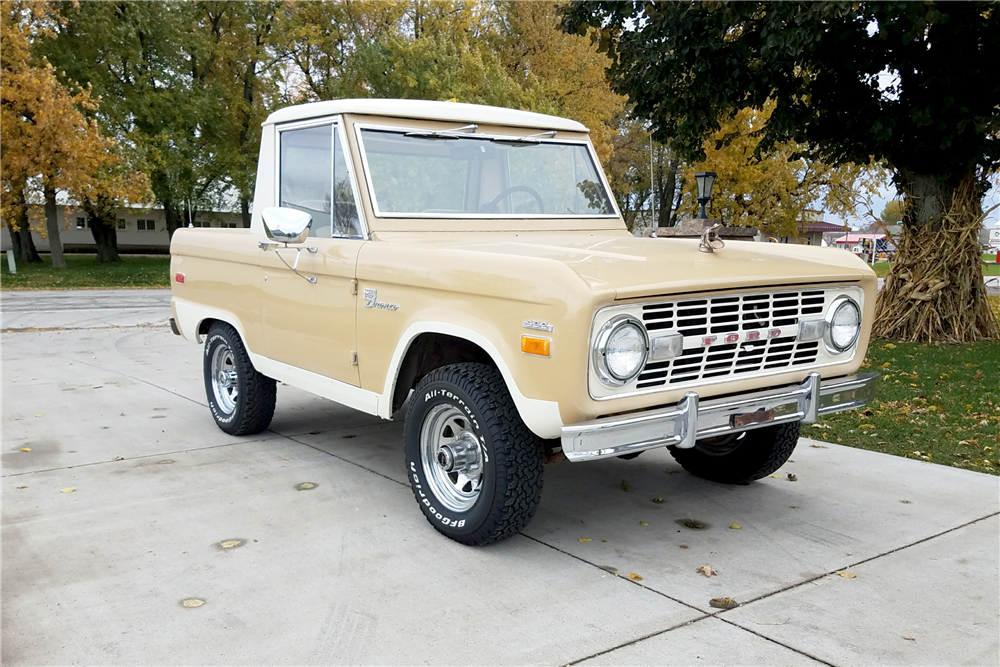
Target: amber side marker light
[{"x": 536, "y": 346}]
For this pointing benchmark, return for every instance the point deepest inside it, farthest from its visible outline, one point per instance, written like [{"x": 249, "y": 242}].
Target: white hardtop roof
[{"x": 458, "y": 112}]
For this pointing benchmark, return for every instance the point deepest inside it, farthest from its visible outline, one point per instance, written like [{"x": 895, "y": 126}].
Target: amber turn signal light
[{"x": 536, "y": 346}]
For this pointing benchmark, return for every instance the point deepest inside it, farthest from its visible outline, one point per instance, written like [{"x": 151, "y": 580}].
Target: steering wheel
[{"x": 517, "y": 188}]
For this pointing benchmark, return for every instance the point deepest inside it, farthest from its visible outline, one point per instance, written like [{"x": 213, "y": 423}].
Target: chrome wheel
[
  {"x": 225, "y": 379},
  {"x": 452, "y": 457}
]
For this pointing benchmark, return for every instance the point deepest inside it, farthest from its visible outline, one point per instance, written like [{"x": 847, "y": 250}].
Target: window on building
[
  {"x": 146, "y": 225},
  {"x": 81, "y": 223},
  {"x": 121, "y": 223}
]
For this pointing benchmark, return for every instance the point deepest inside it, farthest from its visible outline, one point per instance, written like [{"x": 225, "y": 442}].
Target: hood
[{"x": 645, "y": 267}]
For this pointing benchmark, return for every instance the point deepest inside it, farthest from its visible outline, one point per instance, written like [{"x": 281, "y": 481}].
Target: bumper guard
[{"x": 693, "y": 419}]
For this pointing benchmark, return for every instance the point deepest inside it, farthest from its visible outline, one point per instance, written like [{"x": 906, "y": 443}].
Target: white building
[{"x": 139, "y": 230}]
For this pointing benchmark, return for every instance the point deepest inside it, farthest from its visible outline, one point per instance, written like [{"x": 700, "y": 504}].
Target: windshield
[{"x": 428, "y": 174}]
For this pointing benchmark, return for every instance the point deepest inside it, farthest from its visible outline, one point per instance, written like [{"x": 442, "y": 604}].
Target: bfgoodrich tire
[
  {"x": 475, "y": 468},
  {"x": 241, "y": 399},
  {"x": 740, "y": 458}
]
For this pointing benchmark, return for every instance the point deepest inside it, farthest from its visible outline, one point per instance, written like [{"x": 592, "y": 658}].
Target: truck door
[{"x": 312, "y": 325}]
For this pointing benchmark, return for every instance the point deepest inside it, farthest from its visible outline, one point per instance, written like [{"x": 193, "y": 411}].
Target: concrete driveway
[{"x": 131, "y": 509}]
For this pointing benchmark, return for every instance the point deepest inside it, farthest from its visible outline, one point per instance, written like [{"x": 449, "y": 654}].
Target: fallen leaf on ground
[
  {"x": 777, "y": 475},
  {"x": 723, "y": 603},
  {"x": 229, "y": 544},
  {"x": 585, "y": 539},
  {"x": 792, "y": 478},
  {"x": 626, "y": 486},
  {"x": 657, "y": 500},
  {"x": 119, "y": 458},
  {"x": 40, "y": 415},
  {"x": 707, "y": 570},
  {"x": 819, "y": 446},
  {"x": 68, "y": 490},
  {"x": 22, "y": 487},
  {"x": 25, "y": 449},
  {"x": 643, "y": 523},
  {"x": 736, "y": 526},
  {"x": 305, "y": 486},
  {"x": 847, "y": 575},
  {"x": 191, "y": 603},
  {"x": 909, "y": 639},
  {"x": 634, "y": 577}
]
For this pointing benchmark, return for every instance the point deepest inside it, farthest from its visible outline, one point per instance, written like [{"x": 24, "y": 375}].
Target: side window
[
  {"x": 304, "y": 175},
  {"x": 312, "y": 160},
  {"x": 345, "y": 221}
]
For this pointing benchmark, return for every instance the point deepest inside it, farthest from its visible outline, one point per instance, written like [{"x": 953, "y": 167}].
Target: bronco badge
[{"x": 371, "y": 301}]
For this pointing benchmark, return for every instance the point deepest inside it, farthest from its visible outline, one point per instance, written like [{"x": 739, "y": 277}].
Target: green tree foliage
[
  {"x": 892, "y": 213},
  {"x": 153, "y": 65},
  {"x": 689, "y": 66}
]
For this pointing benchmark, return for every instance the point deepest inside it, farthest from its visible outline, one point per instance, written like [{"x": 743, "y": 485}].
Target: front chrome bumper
[{"x": 693, "y": 419}]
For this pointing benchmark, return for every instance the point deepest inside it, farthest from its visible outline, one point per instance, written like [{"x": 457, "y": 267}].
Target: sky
[{"x": 888, "y": 194}]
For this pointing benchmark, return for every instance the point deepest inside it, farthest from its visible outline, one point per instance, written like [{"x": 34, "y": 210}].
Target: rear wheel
[
  {"x": 742, "y": 457},
  {"x": 240, "y": 398},
  {"x": 475, "y": 468}
]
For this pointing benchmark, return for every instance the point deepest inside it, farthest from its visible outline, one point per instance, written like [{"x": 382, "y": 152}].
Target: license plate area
[{"x": 748, "y": 418}]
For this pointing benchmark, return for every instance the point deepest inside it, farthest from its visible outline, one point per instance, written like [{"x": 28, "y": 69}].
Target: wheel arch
[
  {"x": 194, "y": 320},
  {"x": 429, "y": 345}
]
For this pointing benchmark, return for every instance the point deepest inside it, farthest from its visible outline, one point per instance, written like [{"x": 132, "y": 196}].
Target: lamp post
[{"x": 705, "y": 181}]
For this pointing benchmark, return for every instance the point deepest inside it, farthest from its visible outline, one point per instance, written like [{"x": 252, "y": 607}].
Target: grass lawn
[
  {"x": 83, "y": 272},
  {"x": 990, "y": 267},
  {"x": 933, "y": 403}
]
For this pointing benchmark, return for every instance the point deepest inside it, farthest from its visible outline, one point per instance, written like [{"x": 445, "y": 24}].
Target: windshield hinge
[
  {"x": 354, "y": 358},
  {"x": 354, "y": 287}
]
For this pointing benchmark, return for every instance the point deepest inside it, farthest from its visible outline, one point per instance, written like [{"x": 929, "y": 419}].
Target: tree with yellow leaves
[
  {"x": 567, "y": 70},
  {"x": 48, "y": 144},
  {"x": 772, "y": 191}
]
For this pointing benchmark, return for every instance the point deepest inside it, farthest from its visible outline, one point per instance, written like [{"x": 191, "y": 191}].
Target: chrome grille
[{"x": 731, "y": 314}]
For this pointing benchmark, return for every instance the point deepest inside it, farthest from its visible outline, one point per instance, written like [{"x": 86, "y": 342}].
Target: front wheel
[
  {"x": 241, "y": 399},
  {"x": 742, "y": 457},
  {"x": 475, "y": 468}
]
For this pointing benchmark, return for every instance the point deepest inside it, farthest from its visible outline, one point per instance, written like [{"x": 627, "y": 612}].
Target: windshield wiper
[
  {"x": 529, "y": 140},
  {"x": 442, "y": 134}
]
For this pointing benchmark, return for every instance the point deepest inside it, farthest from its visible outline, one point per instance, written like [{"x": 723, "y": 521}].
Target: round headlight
[
  {"x": 621, "y": 350},
  {"x": 845, "y": 324}
]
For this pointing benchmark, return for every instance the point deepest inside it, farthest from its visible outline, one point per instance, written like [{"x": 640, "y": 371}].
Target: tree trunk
[
  {"x": 174, "y": 217},
  {"x": 102, "y": 228},
  {"x": 935, "y": 292},
  {"x": 28, "y": 253},
  {"x": 106, "y": 238},
  {"x": 15, "y": 240},
  {"x": 245, "y": 211},
  {"x": 52, "y": 227}
]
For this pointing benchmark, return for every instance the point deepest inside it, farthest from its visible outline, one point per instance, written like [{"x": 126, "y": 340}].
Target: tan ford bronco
[{"x": 468, "y": 263}]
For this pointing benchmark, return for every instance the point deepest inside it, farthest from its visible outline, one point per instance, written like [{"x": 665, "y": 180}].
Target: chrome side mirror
[{"x": 286, "y": 225}]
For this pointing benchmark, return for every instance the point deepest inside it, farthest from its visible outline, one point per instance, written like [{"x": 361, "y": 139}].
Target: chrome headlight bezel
[
  {"x": 831, "y": 313},
  {"x": 604, "y": 372}
]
